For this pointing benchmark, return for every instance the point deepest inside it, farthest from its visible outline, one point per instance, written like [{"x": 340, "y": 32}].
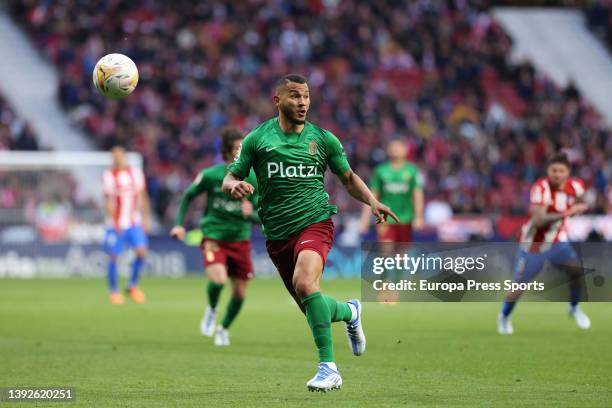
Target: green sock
[
  {"x": 340, "y": 311},
  {"x": 319, "y": 320},
  {"x": 233, "y": 307},
  {"x": 214, "y": 291}
]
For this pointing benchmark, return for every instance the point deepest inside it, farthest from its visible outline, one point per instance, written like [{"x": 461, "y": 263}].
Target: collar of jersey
[{"x": 284, "y": 135}]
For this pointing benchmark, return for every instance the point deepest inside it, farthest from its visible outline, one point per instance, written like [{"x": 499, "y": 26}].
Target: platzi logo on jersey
[{"x": 286, "y": 170}]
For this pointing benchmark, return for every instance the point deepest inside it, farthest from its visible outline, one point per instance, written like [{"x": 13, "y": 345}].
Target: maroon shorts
[
  {"x": 394, "y": 232},
  {"x": 236, "y": 256},
  {"x": 317, "y": 237}
]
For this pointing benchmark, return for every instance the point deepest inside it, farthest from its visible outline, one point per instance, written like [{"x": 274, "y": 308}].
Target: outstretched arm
[
  {"x": 358, "y": 189},
  {"x": 196, "y": 188},
  {"x": 364, "y": 220},
  {"x": 178, "y": 231}
]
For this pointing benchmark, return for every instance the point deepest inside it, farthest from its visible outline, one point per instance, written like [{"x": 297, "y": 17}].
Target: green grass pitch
[{"x": 63, "y": 333}]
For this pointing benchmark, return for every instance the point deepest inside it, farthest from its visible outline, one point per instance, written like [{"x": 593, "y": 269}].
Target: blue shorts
[
  {"x": 114, "y": 241},
  {"x": 528, "y": 264}
]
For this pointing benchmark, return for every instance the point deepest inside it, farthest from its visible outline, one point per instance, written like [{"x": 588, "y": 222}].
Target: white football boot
[
  {"x": 354, "y": 330},
  {"x": 207, "y": 325},
  {"x": 504, "y": 324},
  {"x": 582, "y": 320},
  {"x": 222, "y": 337},
  {"x": 326, "y": 379}
]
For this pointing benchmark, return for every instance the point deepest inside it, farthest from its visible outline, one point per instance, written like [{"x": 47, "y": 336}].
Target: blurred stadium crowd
[
  {"x": 15, "y": 133},
  {"x": 437, "y": 74}
]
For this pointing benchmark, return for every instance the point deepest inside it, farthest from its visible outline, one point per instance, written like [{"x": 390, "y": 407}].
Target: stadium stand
[
  {"x": 15, "y": 133},
  {"x": 436, "y": 73}
]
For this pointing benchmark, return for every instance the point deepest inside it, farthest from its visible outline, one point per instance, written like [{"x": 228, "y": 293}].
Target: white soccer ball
[{"x": 115, "y": 76}]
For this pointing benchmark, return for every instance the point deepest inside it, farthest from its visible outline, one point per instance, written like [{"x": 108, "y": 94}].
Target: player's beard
[{"x": 289, "y": 114}]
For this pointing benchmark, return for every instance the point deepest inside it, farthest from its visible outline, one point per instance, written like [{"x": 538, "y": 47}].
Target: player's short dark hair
[
  {"x": 229, "y": 134},
  {"x": 560, "y": 158},
  {"x": 285, "y": 79}
]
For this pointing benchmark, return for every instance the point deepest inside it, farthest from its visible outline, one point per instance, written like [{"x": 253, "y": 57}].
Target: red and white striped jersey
[
  {"x": 539, "y": 239},
  {"x": 124, "y": 186}
]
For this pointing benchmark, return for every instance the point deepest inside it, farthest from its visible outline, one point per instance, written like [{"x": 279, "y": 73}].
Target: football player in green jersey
[
  {"x": 290, "y": 156},
  {"x": 397, "y": 183},
  {"x": 226, "y": 229}
]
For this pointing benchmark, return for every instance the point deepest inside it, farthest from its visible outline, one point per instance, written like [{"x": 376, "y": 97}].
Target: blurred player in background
[
  {"x": 226, "y": 246},
  {"x": 127, "y": 222},
  {"x": 398, "y": 184},
  {"x": 290, "y": 157},
  {"x": 545, "y": 238}
]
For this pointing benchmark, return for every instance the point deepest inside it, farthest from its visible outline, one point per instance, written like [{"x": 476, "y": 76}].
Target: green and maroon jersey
[
  {"x": 395, "y": 188},
  {"x": 222, "y": 219},
  {"x": 290, "y": 168}
]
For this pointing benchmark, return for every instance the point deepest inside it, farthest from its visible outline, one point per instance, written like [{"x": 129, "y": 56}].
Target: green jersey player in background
[
  {"x": 397, "y": 183},
  {"x": 226, "y": 229},
  {"x": 290, "y": 157}
]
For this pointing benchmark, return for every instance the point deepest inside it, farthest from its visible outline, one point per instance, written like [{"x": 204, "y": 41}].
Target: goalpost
[
  {"x": 52, "y": 212},
  {"x": 86, "y": 167},
  {"x": 52, "y": 220},
  {"x": 31, "y": 180}
]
